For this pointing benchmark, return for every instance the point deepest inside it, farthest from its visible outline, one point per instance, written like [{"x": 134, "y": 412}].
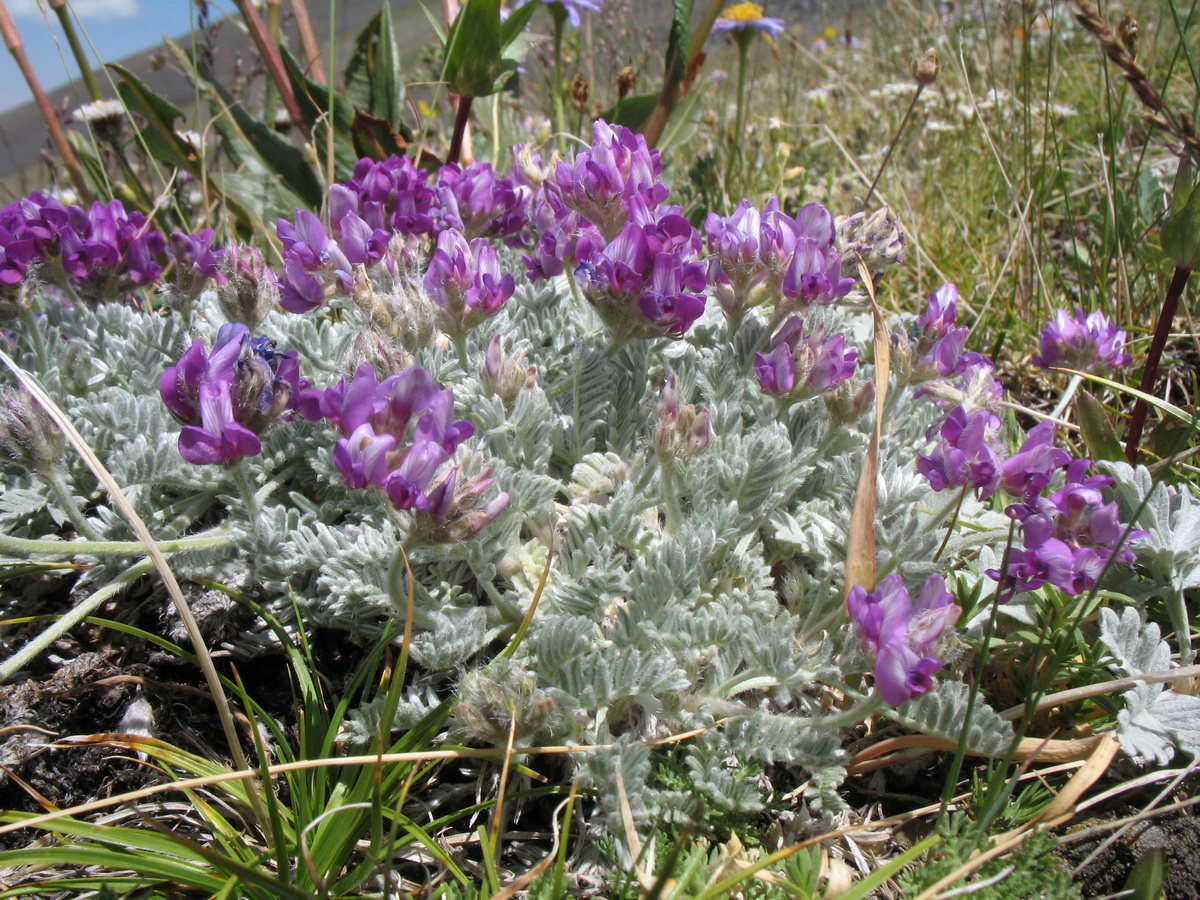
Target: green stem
[
  {"x": 960, "y": 752},
  {"x": 67, "y": 549},
  {"x": 560, "y": 114},
  {"x": 85, "y": 66},
  {"x": 62, "y": 493},
  {"x": 743, "y": 43},
  {"x": 1178, "y": 612},
  {"x": 950, "y": 525},
  {"x": 670, "y": 496},
  {"x": 241, "y": 477},
  {"x": 460, "y": 347},
  {"x": 36, "y": 341},
  {"x": 853, "y": 715}
]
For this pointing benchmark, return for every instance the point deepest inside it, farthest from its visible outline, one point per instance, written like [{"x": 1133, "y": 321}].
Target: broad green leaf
[
  {"x": 374, "y": 83},
  {"x": 278, "y": 154},
  {"x": 476, "y": 64},
  {"x": 1181, "y": 234},
  {"x": 1148, "y": 876},
  {"x": 160, "y": 115},
  {"x": 318, "y": 104},
  {"x": 1098, "y": 434},
  {"x": 632, "y": 111},
  {"x": 677, "y": 40}
]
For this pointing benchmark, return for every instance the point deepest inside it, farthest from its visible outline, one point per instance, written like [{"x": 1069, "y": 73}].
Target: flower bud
[
  {"x": 28, "y": 436},
  {"x": 249, "y": 291},
  {"x": 682, "y": 432},
  {"x": 877, "y": 239},
  {"x": 504, "y": 376}
]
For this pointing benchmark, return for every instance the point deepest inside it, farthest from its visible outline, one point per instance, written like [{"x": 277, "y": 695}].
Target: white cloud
[{"x": 85, "y": 9}]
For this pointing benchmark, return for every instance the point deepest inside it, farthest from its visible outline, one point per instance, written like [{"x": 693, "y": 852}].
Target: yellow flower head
[
  {"x": 743, "y": 12},
  {"x": 744, "y": 17}
]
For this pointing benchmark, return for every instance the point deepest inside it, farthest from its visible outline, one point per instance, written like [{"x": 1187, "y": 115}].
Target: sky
[{"x": 115, "y": 28}]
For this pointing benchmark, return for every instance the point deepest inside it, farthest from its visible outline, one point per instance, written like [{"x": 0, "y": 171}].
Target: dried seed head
[
  {"x": 1127, "y": 33},
  {"x": 580, "y": 91},
  {"x": 925, "y": 67},
  {"x": 626, "y": 79}
]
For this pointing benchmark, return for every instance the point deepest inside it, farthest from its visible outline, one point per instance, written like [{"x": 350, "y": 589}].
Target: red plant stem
[
  {"x": 461, "y": 120},
  {"x": 12, "y": 39},
  {"x": 272, "y": 60},
  {"x": 1162, "y": 330},
  {"x": 308, "y": 42}
]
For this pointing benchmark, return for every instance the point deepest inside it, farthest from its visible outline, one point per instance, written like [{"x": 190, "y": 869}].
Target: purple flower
[
  {"x": 1068, "y": 538},
  {"x": 903, "y": 636},
  {"x": 1027, "y": 473},
  {"x": 309, "y": 256},
  {"x": 965, "y": 455},
  {"x": 570, "y": 8},
  {"x": 452, "y": 510},
  {"x": 392, "y": 194},
  {"x": 378, "y": 449},
  {"x": 682, "y": 432},
  {"x": 602, "y": 179},
  {"x": 639, "y": 287},
  {"x": 466, "y": 283},
  {"x": 938, "y": 318},
  {"x": 362, "y": 458},
  {"x": 478, "y": 202},
  {"x": 196, "y": 252},
  {"x": 814, "y": 275},
  {"x": 1088, "y": 343},
  {"x": 938, "y": 347},
  {"x": 746, "y": 17},
  {"x": 228, "y": 397},
  {"x": 802, "y": 365}
]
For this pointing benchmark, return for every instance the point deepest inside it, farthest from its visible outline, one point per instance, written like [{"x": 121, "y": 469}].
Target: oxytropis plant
[{"x": 517, "y": 376}]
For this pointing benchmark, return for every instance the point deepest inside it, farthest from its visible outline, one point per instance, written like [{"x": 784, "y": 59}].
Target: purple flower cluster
[
  {"x": 375, "y": 450},
  {"x": 902, "y": 635},
  {"x": 93, "y": 249},
  {"x": 465, "y": 282},
  {"x": 792, "y": 256},
  {"x": 1088, "y": 343},
  {"x": 226, "y": 398},
  {"x": 969, "y": 453},
  {"x": 1069, "y": 537},
  {"x": 384, "y": 213},
  {"x": 950, "y": 374},
  {"x": 939, "y": 345},
  {"x": 394, "y": 194},
  {"x": 637, "y": 261},
  {"x": 802, "y": 365},
  {"x": 480, "y": 203}
]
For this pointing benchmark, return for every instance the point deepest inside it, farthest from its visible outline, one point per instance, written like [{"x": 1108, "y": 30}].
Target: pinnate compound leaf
[{"x": 942, "y": 711}]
